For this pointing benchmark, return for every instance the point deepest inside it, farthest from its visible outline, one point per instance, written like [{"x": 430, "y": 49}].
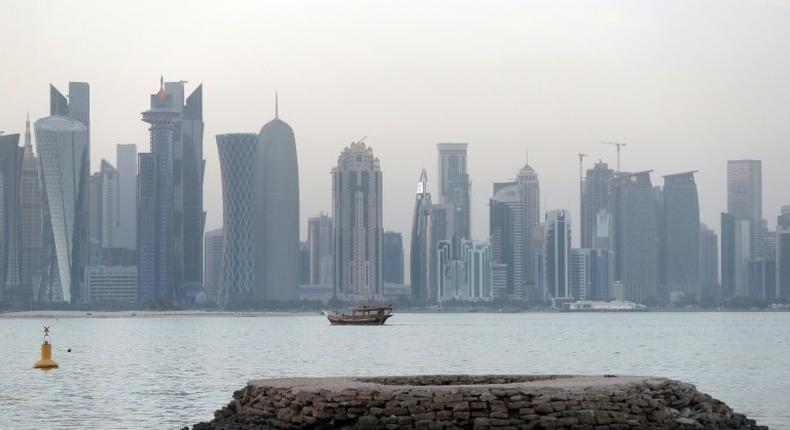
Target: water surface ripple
[{"x": 168, "y": 372}]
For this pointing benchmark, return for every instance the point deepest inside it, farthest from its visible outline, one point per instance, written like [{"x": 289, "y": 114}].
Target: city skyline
[{"x": 551, "y": 96}]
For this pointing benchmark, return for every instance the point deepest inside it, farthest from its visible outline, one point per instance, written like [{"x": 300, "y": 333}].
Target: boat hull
[{"x": 345, "y": 320}]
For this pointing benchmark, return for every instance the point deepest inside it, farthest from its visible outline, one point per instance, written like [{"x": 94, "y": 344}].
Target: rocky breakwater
[{"x": 474, "y": 402}]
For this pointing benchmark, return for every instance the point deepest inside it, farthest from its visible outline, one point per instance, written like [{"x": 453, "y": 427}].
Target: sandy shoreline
[{"x": 148, "y": 314}]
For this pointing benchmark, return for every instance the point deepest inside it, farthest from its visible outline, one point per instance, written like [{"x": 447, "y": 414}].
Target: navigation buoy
[{"x": 46, "y": 361}]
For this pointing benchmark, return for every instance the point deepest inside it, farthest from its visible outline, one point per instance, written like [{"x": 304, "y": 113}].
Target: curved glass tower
[
  {"x": 62, "y": 149},
  {"x": 276, "y": 213},
  {"x": 237, "y": 165}
]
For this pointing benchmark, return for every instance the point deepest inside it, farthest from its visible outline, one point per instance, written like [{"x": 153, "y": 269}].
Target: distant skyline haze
[{"x": 688, "y": 85}]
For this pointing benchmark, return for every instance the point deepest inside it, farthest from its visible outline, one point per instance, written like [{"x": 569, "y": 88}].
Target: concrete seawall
[{"x": 474, "y": 402}]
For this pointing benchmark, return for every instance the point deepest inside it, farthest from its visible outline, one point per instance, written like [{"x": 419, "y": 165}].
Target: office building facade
[
  {"x": 422, "y": 244},
  {"x": 319, "y": 242},
  {"x": 679, "y": 236},
  {"x": 556, "y": 255},
  {"x": 214, "y": 243},
  {"x": 62, "y": 144},
  {"x": 237, "y": 153},
  {"x": 392, "y": 258},
  {"x": 11, "y": 253},
  {"x": 277, "y": 270},
  {"x": 634, "y": 236},
  {"x": 31, "y": 218},
  {"x": 357, "y": 211},
  {"x": 454, "y": 185}
]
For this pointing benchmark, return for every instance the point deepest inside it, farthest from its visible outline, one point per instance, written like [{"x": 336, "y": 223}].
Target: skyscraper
[
  {"x": 506, "y": 229},
  {"x": 392, "y": 258},
  {"x": 680, "y": 270},
  {"x": 783, "y": 253},
  {"x": 104, "y": 196},
  {"x": 422, "y": 244},
  {"x": 62, "y": 144},
  {"x": 31, "y": 218},
  {"x": 529, "y": 194},
  {"x": 76, "y": 105},
  {"x": 745, "y": 199},
  {"x": 126, "y": 229},
  {"x": 319, "y": 242},
  {"x": 556, "y": 251},
  {"x": 595, "y": 198},
  {"x": 277, "y": 213},
  {"x": 708, "y": 261},
  {"x": 171, "y": 261},
  {"x": 589, "y": 274},
  {"x": 634, "y": 235},
  {"x": 237, "y": 166},
  {"x": 156, "y": 201},
  {"x": 214, "y": 256},
  {"x": 454, "y": 185},
  {"x": 735, "y": 251},
  {"x": 358, "y": 215},
  {"x": 11, "y": 276}
]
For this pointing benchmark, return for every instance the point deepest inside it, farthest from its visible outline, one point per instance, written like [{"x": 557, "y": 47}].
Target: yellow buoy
[{"x": 46, "y": 361}]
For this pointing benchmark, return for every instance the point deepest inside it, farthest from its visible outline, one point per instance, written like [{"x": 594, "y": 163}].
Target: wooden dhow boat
[{"x": 362, "y": 315}]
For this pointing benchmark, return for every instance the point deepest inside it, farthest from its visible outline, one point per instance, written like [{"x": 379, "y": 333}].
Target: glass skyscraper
[
  {"x": 11, "y": 281},
  {"x": 62, "y": 144},
  {"x": 634, "y": 235},
  {"x": 679, "y": 235},
  {"x": 237, "y": 166},
  {"x": 278, "y": 265}
]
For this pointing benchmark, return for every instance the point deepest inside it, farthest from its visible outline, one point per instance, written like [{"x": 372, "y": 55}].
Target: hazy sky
[{"x": 688, "y": 84}]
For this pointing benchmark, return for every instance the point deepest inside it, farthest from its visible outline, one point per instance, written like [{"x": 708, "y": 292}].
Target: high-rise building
[
  {"x": 735, "y": 252},
  {"x": 319, "y": 242},
  {"x": 529, "y": 194},
  {"x": 277, "y": 265},
  {"x": 357, "y": 211},
  {"x": 506, "y": 230},
  {"x": 556, "y": 251},
  {"x": 171, "y": 262},
  {"x": 679, "y": 238},
  {"x": 595, "y": 198},
  {"x": 76, "y": 105},
  {"x": 110, "y": 202},
  {"x": 708, "y": 261},
  {"x": 11, "y": 276},
  {"x": 464, "y": 271},
  {"x": 237, "y": 166},
  {"x": 589, "y": 274},
  {"x": 454, "y": 185},
  {"x": 392, "y": 258},
  {"x": 745, "y": 199},
  {"x": 31, "y": 218},
  {"x": 126, "y": 228},
  {"x": 634, "y": 235},
  {"x": 215, "y": 246},
  {"x": 156, "y": 201},
  {"x": 62, "y": 144},
  {"x": 783, "y": 253},
  {"x": 422, "y": 244}
]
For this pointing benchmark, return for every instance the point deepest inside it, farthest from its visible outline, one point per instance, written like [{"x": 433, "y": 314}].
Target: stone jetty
[{"x": 606, "y": 402}]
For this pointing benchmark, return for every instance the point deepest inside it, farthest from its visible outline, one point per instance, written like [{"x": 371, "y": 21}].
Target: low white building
[{"x": 110, "y": 284}]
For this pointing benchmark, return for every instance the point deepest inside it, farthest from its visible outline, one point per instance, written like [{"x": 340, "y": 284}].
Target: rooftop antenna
[
  {"x": 618, "y": 145},
  {"x": 276, "y": 105}
]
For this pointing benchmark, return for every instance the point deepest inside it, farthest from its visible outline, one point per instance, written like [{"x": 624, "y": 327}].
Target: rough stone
[{"x": 474, "y": 402}]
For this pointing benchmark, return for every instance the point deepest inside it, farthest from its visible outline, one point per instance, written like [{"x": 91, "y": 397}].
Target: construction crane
[{"x": 618, "y": 145}]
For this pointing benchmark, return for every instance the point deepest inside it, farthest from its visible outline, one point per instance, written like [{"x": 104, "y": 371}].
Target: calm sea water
[{"x": 168, "y": 372}]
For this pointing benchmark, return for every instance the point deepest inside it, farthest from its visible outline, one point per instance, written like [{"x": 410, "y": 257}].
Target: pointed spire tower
[
  {"x": 28, "y": 138},
  {"x": 277, "y": 211},
  {"x": 422, "y": 185}
]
